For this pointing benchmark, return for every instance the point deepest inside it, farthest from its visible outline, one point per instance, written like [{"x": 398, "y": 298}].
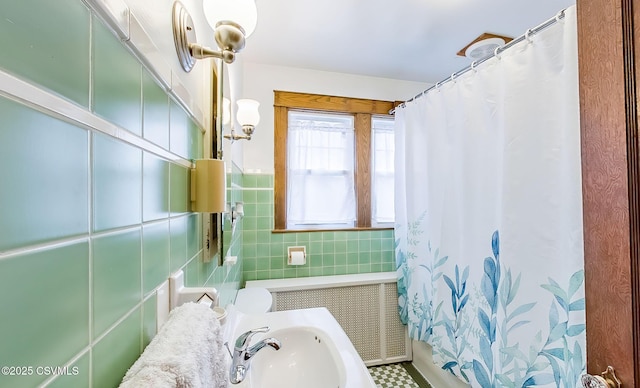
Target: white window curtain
[
  {"x": 489, "y": 217},
  {"x": 382, "y": 177},
  {"x": 320, "y": 170}
]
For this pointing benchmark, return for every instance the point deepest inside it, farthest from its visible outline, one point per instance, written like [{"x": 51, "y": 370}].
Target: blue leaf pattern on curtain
[{"x": 556, "y": 355}]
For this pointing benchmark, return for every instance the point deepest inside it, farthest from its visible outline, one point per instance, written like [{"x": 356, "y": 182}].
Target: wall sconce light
[
  {"x": 232, "y": 22},
  {"x": 248, "y": 116}
]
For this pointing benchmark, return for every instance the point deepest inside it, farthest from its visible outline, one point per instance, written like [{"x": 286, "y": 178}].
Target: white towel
[{"x": 187, "y": 352}]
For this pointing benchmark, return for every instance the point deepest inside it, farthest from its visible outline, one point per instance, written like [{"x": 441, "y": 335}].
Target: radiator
[{"x": 365, "y": 305}]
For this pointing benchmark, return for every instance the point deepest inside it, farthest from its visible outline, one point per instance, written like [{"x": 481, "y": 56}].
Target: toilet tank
[{"x": 253, "y": 300}]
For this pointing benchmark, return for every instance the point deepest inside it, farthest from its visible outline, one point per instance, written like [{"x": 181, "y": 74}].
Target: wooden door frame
[{"x": 611, "y": 184}]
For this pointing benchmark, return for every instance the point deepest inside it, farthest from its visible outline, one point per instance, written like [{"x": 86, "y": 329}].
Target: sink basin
[
  {"x": 307, "y": 359},
  {"x": 315, "y": 352}
]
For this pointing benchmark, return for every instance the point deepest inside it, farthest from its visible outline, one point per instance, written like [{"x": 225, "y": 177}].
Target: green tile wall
[
  {"x": 155, "y": 104},
  {"x": 155, "y": 180},
  {"x": 178, "y": 190},
  {"x": 155, "y": 255},
  {"x": 178, "y": 242},
  {"x": 328, "y": 253},
  {"x": 51, "y": 53},
  {"x": 184, "y": 138},
  {"x": 44, "y": 200},
  {"x": 76, "y": 376},
  {"x": 117, "y": 78},
  {"x": 149, "y": 316},
  {"x": 116, "y": 277},
  {"x": 117, "y": 351},
  {"x": 90, "y": 226},
  {"x": 117, "y": 183},
  {"x": 45, "y": 318}
]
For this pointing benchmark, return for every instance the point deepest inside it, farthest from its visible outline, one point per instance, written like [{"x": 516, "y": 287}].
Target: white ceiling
[{"x": 414, "y": 40}]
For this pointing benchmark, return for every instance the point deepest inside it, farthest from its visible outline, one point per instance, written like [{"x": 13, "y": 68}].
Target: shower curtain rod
[{"x": 498, "y": 50}]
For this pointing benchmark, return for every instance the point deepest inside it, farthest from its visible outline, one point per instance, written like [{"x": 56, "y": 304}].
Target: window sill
[{"x": 356, "y": 229}]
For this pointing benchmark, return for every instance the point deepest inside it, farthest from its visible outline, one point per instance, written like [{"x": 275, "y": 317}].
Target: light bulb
[{"x": 248, "y": 112}]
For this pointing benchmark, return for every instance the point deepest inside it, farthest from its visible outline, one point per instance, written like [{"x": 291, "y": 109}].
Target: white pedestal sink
[{"x": 315, "y": 352}]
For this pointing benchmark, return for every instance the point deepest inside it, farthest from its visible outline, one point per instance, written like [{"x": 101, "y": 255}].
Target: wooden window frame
[{"x": 362, "y": 111}]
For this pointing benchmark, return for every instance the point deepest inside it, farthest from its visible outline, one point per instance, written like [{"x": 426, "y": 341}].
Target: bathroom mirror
[
  {"x": 219, "y": 225},
  {"x": 232, "y": 173},
  {"x": 213, "y": 223},
  {"x": 226, "y": 226}
]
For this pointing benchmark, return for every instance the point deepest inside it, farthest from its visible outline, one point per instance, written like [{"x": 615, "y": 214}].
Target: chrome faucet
[{"x": 242, "y": 353}]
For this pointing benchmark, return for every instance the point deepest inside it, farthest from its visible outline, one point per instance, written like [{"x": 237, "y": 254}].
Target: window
[
  {"x": 320, "y": 171},
  {"x": 333, "y": 162},
  {"x": 382, "y": 171}
]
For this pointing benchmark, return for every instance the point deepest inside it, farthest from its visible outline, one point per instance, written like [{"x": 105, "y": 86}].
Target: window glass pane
[
  {"x": 320, "y": 171},
  {"x": 382, "y": 176}
]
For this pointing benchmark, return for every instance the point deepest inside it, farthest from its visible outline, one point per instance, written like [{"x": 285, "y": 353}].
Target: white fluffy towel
[{"x": 187, "y": 352}]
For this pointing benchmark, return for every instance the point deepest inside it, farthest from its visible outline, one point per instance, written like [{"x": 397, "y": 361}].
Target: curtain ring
[
  {"x": 473, "y": 66},
  {"x": 438, "y": 86},
  {"x": 495, "y": 52},
  {"x": 560, "y": 15},
  {"x": 527, "y": 35},
  {"x": 452, "y": 79}
]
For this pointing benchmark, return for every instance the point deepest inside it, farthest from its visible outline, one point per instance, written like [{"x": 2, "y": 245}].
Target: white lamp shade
[
  {"x": 243, "y": 12},
  {"x": 248, "y": 112}
]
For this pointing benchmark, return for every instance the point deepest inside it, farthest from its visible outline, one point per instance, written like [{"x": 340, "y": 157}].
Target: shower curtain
[{"x": 489, "y": 217}]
